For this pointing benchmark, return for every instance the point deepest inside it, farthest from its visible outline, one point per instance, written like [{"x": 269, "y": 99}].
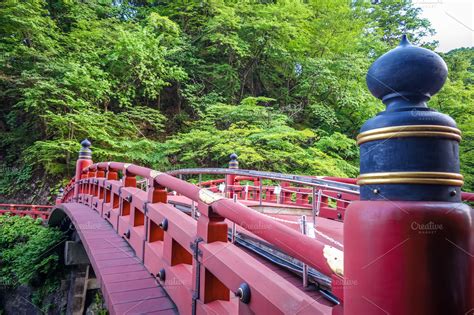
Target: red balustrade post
[
  {"x": 284, "y": 194},
  {"x": 85, "y": 159},
  {"x": 128, "y": 179},
  {"x": 111, "y": 175},
  {"x": 299, "y": 196},
  {"x": 256, "y": 188},
  {"x": 156, "y": 192},
  {"x": 230, "y": 178},
  {"x": 211, "y": 228},
  {"x": 408, "y": 242},
  {"x": 90, "y": 184},
  {"x": 100, "y": 190},
  {"x": 82, "y": 185}
]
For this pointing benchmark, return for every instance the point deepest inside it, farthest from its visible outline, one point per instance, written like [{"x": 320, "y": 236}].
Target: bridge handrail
[
  {"x": 311, "y": 251},
  {"x": 319, "y": 183},
  {"x": 347, "y": 185},
  {"x": 100, "y": 188},
  {"x": 34, "y": 211},
  {"x": 37, "y": 207},
  {"x": 333, "y": 183}
]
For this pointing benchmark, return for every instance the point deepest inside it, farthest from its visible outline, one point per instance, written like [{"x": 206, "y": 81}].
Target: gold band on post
[
  {"x": 428, "y": 178},
  {"x": 409, "y": 131}
]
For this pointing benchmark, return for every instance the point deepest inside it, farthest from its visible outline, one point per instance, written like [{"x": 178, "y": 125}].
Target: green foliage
[
  {"x": 390, "y": 19},
  {"x": 262, "y": 139},
  {"x": 456, "y": 99},
  {"x": 99, "y": 305},
  {"x": 49, "y": 286},
  {"x": 13, "y": 180},
  {"x": 27, "y": 250},
  {"x": 117, "y": 136},
  {"x": 184, "y": 83},
  {"x": 75, "y": 70}
]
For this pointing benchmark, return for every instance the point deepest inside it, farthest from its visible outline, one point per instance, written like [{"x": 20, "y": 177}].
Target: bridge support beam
[
  {"x": 75, "y": 254},
  {"x": 408, "y": 243},
  {"x": 82, "y": 279}
]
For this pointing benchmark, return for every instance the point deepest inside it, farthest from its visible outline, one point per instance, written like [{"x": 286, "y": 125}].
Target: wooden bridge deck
[{"x": 128, "y": 288}]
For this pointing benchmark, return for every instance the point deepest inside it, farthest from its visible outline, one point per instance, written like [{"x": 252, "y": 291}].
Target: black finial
[
  {"x": 404, "y": 41},
  {"x": 403, "y": 145},
  {"x": 234, "y": 164},
  {"x": 407, "y": 74},
  {"x": 85, "y": 152},
  {"x": 86, "y": 143}
]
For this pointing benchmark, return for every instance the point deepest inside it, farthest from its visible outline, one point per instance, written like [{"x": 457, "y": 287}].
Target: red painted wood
[
  {"x": 408, "y": 257},
  {"x": 223, "y": 266},
  {"x": 127, "y": 286},
  {"x": 172, "y": 253},
  {"x": 295, "y": 280},
  {"x": 34, "y": 211}
]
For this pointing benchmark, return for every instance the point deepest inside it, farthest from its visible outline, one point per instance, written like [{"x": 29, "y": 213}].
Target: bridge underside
[{"x": 127, "y": 287}]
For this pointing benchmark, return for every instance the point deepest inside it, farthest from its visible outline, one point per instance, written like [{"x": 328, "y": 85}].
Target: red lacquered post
[
  {"x": 211, "y": 227},
  {"x": 408, "y": 242},
  {"x": 230, "y": 178},
  {"x": 85, "y": 159}
]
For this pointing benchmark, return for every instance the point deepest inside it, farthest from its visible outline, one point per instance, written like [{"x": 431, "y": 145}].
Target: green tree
[
  {"x": 185, "y": 83},
  {"x": 457, "y": 99},
  {"x": 390, "y": 19},
  {"x": 263, "y": 140},
  {"x": 27, "y": 250}
]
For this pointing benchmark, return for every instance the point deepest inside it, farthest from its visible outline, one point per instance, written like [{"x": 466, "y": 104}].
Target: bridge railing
[
  {"x": 34, "y": 211},
  {"x": 191, "y": 255},
  {"x": 326, "y": 197}
]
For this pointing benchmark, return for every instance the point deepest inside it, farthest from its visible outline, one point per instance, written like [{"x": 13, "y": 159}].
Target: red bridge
[
  {"x": 211, "y": 254},
  {"x": 398, "y": 240},
  {"x": 158, "y": 244}
]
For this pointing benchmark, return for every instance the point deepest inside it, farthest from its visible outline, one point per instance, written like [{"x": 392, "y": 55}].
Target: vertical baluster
[{"x": 305, "y": 266}]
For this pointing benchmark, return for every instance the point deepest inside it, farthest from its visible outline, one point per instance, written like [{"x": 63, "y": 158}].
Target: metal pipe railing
[{"x": 297, "y": 179}]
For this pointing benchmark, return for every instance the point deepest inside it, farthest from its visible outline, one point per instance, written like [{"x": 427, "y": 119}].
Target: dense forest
[{"x": 172, "y": 84}]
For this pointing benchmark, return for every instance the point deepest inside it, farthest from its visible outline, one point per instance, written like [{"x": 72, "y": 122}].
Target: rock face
[
  {"x": 37, "y": 192},
  {"x": 19, "y": 301}
]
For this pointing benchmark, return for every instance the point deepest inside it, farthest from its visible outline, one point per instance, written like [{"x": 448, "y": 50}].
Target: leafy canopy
[
  {"x": 171, "y": 84},
  {"x": 27, "y": 250}
]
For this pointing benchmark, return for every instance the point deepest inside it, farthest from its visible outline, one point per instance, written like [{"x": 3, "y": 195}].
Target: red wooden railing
[
  {"x": 191, "y": 253},
  {"x": 196, "y": 253},
  {"x": 34, "y": 211},
  {"x": 326, "y": 197}
]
